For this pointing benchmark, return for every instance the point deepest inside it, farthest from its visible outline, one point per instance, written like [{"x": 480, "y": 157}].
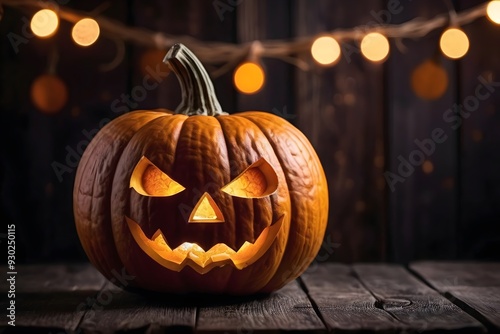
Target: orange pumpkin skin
[{"x": 203, "y": 153}]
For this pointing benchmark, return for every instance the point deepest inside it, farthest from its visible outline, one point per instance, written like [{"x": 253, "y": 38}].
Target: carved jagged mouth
[{"x": 196, "y": 257}]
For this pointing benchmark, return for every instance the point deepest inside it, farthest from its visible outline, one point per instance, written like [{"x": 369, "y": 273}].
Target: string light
[
  {"x": 493, "y": 11},
  {"x": 85, "y": 32},
  {"x": 375, "y": 47},
  {"x": 325, "y": 50},
  {"x": 44, "y": 23},
  {"x": 224, "y": 55},
  {"x": 454, "y": 43},
  {"x": 249, "y": 78}
]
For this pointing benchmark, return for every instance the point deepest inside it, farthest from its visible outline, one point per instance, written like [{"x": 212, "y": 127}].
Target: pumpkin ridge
[
  {"x": 99, "y": 248},
  {"x": 242, "y": 115},
  {"x": 230, "y": 177},
  {"x": 139, "y": 133},
  {"x": 193, "y": 137},
  {"x": 304, "y": 145},
  {"x": 93, "y": 249},
  {"x": 292, "y": 207},
  {"x": 174, "y": 155},
  {"x": 160, "y": 116}
]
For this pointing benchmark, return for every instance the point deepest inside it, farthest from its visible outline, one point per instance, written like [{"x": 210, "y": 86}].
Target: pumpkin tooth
[
  {"x": 159, "y": 239},
  {"x": 195, "y": 256},
  {"x": 246, "y": 246},
  {"x": 220, "y": 257},
  {"x": 199, "y": 259},
  {"x": 220, "y": 248},
  {"x": 187, "y": 247}
]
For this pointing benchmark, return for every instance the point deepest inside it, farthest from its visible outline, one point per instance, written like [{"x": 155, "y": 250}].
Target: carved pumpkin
[{"x": 197, "y": 200}]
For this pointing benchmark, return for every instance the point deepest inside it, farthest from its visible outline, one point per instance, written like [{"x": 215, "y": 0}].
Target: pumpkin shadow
[{"x": 195, "y": 299}]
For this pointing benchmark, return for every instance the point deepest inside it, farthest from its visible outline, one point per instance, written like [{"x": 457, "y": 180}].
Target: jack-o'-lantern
[{"x": 198, "y": 200}]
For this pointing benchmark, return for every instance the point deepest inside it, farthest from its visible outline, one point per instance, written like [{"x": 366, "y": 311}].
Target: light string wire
[{"x": 228, "y": 55}]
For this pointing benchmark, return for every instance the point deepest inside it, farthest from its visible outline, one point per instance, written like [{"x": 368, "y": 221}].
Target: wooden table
[{"x": 426, "y": 296}]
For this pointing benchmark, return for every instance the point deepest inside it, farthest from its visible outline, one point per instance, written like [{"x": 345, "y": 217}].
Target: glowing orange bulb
[
  {"x": 44, "y": 23},
  {"x": 454, "y": 43},
  {"x": 493, "y": 11},
  {"x": 375, "y": 46},
  {"x": 85, "y": 32},
  {"x": 249, "y": 78},
  {"x": 325, "y": 50}
]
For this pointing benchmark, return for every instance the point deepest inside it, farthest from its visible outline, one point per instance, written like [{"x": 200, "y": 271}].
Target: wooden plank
[
  {"x": 343, "y": 302},
  {"x": 424, "y": 197},
  {"x": 480, "y": 162},
  {"x": 410, "y": 301},
  {"x": 52, "y": 297},
  {"x": 340, "y": 109},
  {"x": 116, "y": 310},
  {"x": 475, "y": 284},
  {"x": 285, "y": 309}
]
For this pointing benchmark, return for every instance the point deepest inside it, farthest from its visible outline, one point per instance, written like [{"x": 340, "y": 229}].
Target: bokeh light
[
  {"x": 493, "y": 11},
  {"x": 325, "y": 50},
  {"x": 44, "y": 23},
  {"x": 249, "y": 78},
  {"x": 49, "y": 93},
  {"x": 427, "y": 167},
  {"x": 85, "y": 32},
  {"x": 454, "y": 43},
  {"x": 429, "y": 80},
  {"x": 375, "y": 46}
]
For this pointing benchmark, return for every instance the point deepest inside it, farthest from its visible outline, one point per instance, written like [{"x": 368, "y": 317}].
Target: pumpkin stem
[{"x": 198, "y": 94}]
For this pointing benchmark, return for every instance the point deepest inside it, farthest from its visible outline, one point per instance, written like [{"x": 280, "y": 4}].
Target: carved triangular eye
[
  {"x": 258, "y": 180},
  {"x": 149, "y": 180}
]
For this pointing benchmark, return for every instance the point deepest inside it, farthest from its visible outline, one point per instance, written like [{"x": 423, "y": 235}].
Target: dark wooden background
[{"x": 359, "y": 116}]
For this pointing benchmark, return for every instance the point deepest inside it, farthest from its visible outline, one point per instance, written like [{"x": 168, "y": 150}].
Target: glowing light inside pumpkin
[
  {"x": 325, "y": 50},
  {"x": 258, "y": 180},
  {"x": 149, "y": 180},
  {"x": 206, "y": 211},
  {"x": 196, "y": 257},
  {"x": 375, "y": 46},
  {"x": 249, "y": 78},
  {"x": 155, "y": 182},
  {"x": 85, "y": 32},
  {"x": 493, "y": 11},
  {"x": 44, "y": 23},
  {"x": 454, "y": 43},
  {"x": 250, "y": 184}
]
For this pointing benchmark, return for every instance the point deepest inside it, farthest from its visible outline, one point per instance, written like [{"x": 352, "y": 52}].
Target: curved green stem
[{"x": 198, "y": 94}]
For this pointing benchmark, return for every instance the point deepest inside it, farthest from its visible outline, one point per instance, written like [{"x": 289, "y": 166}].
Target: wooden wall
[{"x": 361, "y": 117}]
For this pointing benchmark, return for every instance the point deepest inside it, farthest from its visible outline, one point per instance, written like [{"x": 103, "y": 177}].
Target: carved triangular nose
[{"x": 206, "y": 211}]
